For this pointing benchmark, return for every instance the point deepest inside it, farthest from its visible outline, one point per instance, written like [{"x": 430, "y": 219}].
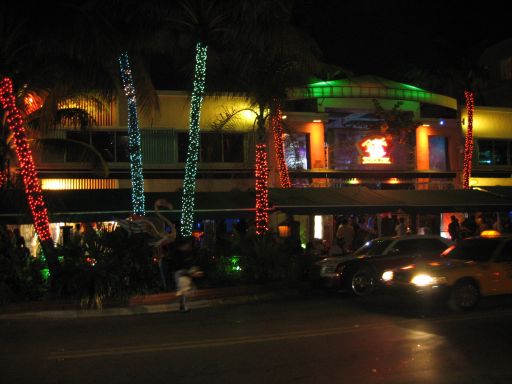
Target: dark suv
[{"x": 360, "y": 271}]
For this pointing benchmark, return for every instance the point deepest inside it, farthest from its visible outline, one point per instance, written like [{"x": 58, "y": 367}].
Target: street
[{"x": 313, "y": 339}]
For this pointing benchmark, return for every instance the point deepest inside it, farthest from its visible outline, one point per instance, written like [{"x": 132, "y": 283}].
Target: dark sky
[{"x": 388, "y": 37}]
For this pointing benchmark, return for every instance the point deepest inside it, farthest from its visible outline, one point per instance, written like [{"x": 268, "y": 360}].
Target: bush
[{"x": 107, "y": 266}]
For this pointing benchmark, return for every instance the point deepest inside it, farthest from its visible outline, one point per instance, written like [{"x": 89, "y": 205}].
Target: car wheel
[
  {"x": 362, "y": 283},
  {"x": 464, "y": 296}
]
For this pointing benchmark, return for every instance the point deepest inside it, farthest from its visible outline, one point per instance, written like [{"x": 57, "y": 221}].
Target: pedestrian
[
  {"x": 454, "y": 229},
  {"x": 185, "y": 272},
  {"x": 345, "y": 235},
  {"x": 401, "y": 227}
]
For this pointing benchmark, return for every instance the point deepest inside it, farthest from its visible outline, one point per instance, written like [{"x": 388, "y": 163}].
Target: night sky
[{"x": 387, "y": 38}]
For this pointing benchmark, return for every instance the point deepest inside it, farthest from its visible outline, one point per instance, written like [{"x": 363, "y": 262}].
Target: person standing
[
  {"x": 345, "y": 235},
  {"x": 401, "y": 227},
  {"x": 454, "y": 229}
]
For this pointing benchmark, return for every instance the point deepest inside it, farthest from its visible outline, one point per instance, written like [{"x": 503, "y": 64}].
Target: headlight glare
[
  {"x": 424, "y": 280},
  {"x": 387, "y": 276}
]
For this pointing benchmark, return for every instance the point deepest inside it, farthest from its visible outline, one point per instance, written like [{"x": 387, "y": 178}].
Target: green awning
[{"x": 112, "y": 204}]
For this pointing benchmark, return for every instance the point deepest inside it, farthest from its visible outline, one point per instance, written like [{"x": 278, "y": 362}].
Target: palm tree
[
  {"x": 269, "y": 57},
  {"x": 199, "y": 21}
]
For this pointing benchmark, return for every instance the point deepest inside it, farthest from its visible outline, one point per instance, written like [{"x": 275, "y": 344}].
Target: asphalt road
[{"x": 314, "y": 339}]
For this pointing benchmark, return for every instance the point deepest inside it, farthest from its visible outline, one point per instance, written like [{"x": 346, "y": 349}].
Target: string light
[
  {"x": 261, "y": 189},
  {"x": 134, "y": 144},
  {"x": 26, "y": 161},
  {"x": 468, "y": 147},
  {"x": 189, "y": 181},
  {"x": 277, "y": 129}
]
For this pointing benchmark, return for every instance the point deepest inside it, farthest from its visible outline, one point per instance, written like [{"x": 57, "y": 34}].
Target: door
[{"x": 502, "y": 270}]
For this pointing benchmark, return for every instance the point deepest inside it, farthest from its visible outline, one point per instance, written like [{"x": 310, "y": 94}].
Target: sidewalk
[{"x": 154, "y": 303}]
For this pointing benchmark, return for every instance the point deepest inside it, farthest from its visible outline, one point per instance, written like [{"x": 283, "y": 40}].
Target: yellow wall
[
  {"x": 489, "y": 122},
  {"x": 175, "y": 107}
]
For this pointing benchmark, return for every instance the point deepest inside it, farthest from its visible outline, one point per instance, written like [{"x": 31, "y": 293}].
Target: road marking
[{"x": 221, "y": 342}]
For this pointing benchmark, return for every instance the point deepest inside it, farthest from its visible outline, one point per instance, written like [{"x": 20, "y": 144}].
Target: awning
[
  {"x": 112, "y": 204},
  {"x": 365, "y": 200}
]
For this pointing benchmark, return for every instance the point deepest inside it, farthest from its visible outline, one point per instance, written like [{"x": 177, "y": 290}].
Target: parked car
[
  {"x": 475, "y": 267},
  {"x": 360, "y": 271}
]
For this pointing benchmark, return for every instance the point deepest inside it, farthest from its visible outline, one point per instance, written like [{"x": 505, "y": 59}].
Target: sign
[{"x": 375, "y": 150}]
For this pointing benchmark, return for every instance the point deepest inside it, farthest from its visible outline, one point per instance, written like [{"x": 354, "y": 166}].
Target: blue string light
[
  {"x": 189, "y": 182},
  {"x": 133, "y": 137}
]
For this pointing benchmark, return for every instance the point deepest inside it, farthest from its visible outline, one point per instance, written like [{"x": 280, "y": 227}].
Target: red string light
[
  {"x": 261, "y": 189},
  {"x": 468, "y": 147},
  {"x": 277, "y": 128},
  {"x": 26, "y": 162}
]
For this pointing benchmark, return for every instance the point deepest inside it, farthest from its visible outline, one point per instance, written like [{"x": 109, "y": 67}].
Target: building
[{"x": 368, "y": 132}]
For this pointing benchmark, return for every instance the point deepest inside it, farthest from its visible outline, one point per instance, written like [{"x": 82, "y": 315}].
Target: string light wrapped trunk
[
  {"x": 261, "y": 189},
  {"x": 26, "y": 161},
  {"x": 189, "y": 182},
  {"x": 468, "y": 147},
  {"x": 134, "y": 142},
  {"x": 277, "y": 129}
]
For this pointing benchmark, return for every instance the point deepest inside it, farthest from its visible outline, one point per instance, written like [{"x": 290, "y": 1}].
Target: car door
[
  {"x": 502, "y": 270},
  {"x": 399, "y": 253}
]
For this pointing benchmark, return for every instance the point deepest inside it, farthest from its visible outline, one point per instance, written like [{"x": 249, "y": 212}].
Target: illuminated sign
[{"x": 375, "y": 150}]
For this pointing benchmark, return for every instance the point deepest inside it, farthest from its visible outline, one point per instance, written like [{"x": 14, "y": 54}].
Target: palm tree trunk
[
  {"x": 30, "y": 178},
  {"x": 277, "y": 128},
  {"x": 189, "y": 182},
  {"x": 468, "y": 147},
  {"x": 133, "y": 137},
  {"x": 261, "y": 189}
]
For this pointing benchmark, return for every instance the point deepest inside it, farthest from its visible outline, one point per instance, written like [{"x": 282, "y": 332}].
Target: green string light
[
  {"x": 189, "y": 182},
  {"x": 133, "y": 137}
]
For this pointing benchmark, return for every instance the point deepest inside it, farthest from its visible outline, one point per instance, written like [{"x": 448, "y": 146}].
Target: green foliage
[
  {"x": 107, "y": 266},
  {"x": 247, "y": 258},
  {"x": 19, "y": 275}
]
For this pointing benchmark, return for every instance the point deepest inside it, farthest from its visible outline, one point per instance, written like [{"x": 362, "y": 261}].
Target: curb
[{"x": 148, "y": 309}]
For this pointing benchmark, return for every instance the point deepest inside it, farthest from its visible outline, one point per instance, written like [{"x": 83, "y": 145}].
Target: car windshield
[
  {"x": 473, "y": 249},
  {"x": 374, "y": 247}
]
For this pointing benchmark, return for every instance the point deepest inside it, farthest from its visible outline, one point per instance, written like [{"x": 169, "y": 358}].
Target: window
[
  {"x": 406, "y": 247},
  {"x": 430, "y": 247},
  {"x": 505, "y": 253},
  {"x": 500, "y": 152},
  {"x": 233, "y": 147},
  {"x": 485, "y": 152},
  {"x": 104, "y": 142},
  {"x": 296, "y": 150},
  {"x": 215, "y": 147},
  {"x": 113, "y": 146},
  {"x": 506, "y": 68},
  {"x": 474, "y": 249},
  {"x": 493, "y": 152},
  {"x": 182, "y": 147},
  {"x": 211, "y": 148},
  {"x": 122, "y": 147}
]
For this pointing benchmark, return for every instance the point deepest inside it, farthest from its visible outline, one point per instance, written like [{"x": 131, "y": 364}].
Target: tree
[
  {"x": 202, "y": 22},
  {"x": 269, "y": 56}
]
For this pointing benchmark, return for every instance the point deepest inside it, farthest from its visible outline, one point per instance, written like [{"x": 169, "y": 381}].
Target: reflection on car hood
[
  {"x": 436, "y": 264},
  {"x": 341, "y": 259}
]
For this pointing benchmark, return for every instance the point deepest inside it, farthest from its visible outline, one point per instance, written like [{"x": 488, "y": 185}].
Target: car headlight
[
  {"x": 424, "y": 280},
  {"x": 387, "y": 276}
]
